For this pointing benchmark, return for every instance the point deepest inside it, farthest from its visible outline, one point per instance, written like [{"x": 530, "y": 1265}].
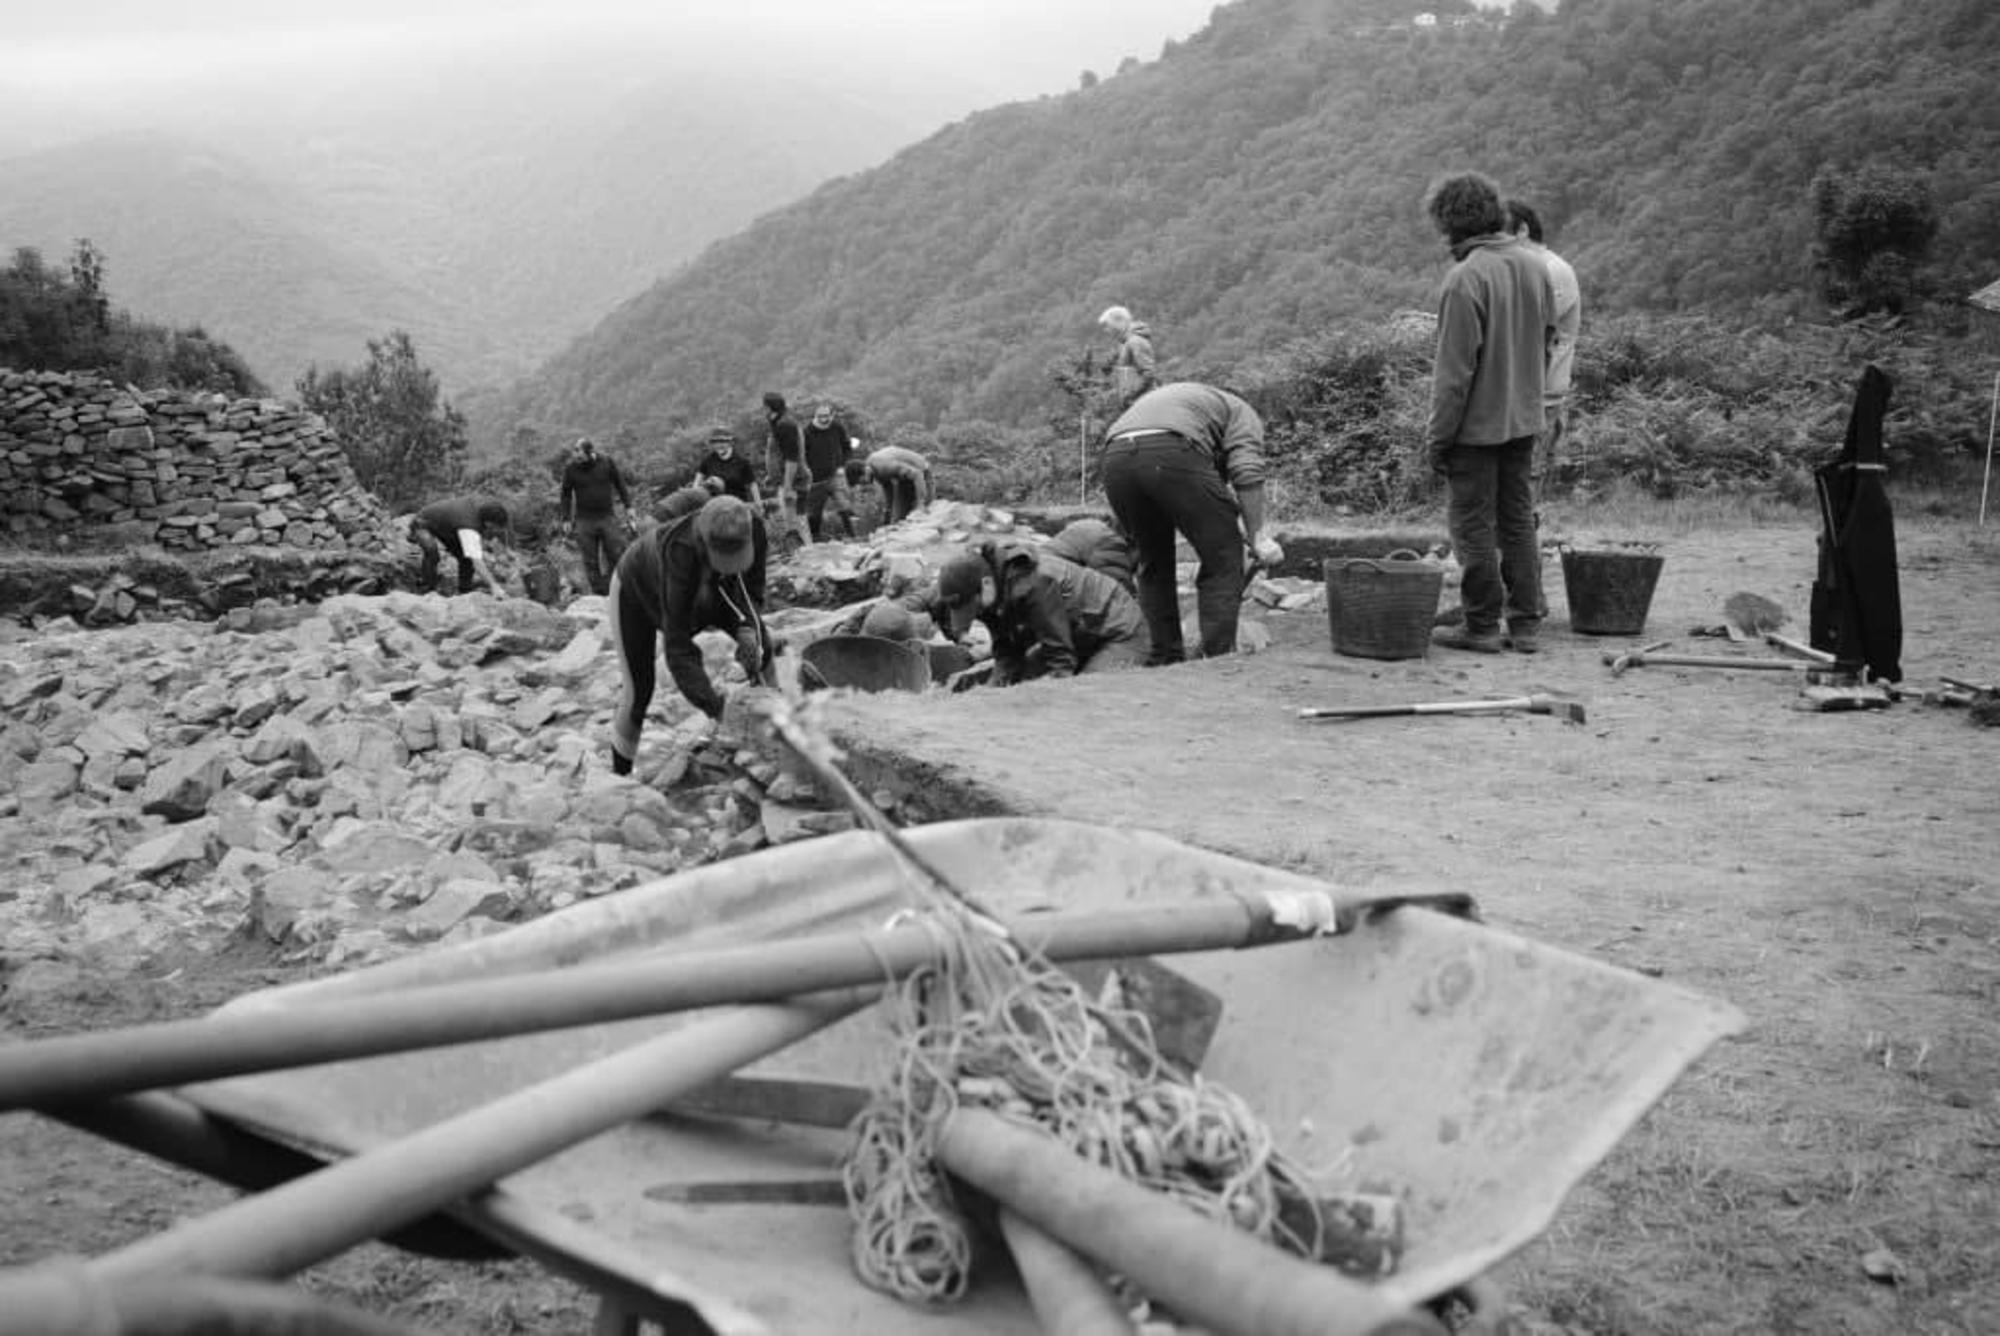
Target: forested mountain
[{"x": 1263, "y": 180}]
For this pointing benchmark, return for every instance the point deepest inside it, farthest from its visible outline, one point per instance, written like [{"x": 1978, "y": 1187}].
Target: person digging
[{"x": 704, "y": 571}]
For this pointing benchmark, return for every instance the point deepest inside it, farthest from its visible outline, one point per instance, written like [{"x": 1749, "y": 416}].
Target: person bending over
[{"x": 704, "y": 571}]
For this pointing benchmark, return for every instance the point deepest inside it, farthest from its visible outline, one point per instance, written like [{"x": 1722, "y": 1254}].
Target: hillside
[{"x": 1263, "y": 179}]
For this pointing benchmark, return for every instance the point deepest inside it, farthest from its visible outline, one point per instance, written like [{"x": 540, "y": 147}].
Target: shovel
[{"x": 1568, "y": 711}]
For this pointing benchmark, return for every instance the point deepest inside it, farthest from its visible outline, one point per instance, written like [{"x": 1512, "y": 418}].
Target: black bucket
[
  {"x": 1611, "y": 591},
  {"x": 865, "y": 663},
  {"x": 1382, "y": 608}
]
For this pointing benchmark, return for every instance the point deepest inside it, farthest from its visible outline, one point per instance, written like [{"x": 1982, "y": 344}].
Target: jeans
[
  {"x": 899, "y": 498},
  {"x": 821, "y": 492},
  {"x": 1491, "y": 515},
  {"x": 1160, "y": 485},
  {"x": 601, "y": 540}
]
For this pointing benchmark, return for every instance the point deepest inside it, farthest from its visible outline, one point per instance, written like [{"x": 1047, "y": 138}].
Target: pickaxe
[
  {"x": 1638, "y": 658},
  {"x": 1568, "y": 711}
]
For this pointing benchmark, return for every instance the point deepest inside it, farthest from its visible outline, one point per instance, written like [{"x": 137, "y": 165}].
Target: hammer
[
  {"x": 1638, "y": 658},
  {"x": 1568, "y": 711}
]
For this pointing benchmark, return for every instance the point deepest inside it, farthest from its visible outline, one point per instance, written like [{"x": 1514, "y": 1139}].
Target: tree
[
  {"x": 1874, "y": 229},
  {"x": 404, "y": 440}
]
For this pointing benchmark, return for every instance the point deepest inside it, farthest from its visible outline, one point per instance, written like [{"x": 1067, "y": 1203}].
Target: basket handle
[{"x": 1409, "y": 552}]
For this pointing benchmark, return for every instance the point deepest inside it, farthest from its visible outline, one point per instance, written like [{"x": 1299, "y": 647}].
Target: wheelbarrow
[{"x": 1476, "y": 1075}]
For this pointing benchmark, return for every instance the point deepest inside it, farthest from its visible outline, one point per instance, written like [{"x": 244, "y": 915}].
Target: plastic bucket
[
  {"x": 865, "y": 663},
  {"x": 1382, "y": 607},
  {"x": 1610, "y": 591}
]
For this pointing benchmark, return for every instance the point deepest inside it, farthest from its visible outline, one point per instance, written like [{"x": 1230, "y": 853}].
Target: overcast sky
[{"x": 1015, "y": 48}]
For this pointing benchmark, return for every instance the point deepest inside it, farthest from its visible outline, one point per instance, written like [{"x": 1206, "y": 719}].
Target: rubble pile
[
  {"x": 188, "y": 471},
  {"x": 350, "y": 780}
]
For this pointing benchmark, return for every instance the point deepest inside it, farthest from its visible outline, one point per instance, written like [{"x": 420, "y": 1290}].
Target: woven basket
[
  {"x": 1611, "y": 591},
  {"x": 1382, "y": 608}
]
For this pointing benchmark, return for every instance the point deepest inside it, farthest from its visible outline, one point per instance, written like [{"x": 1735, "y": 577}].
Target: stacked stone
[
  {"x": 352, "y": 780},
  {"x": 187, "y": 471}
]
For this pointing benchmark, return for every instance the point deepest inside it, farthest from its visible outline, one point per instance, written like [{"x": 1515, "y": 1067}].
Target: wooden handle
[
  {"x": 309, "y": 1219},
  {"x": 1068, "y": 1296},
  {"x": 1208, "y": 1272},
  {"x": 74, "y": 1068}
]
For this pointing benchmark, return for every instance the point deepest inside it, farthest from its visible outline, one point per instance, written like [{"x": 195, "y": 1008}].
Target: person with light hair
[{"x": 1134, "y": 368}]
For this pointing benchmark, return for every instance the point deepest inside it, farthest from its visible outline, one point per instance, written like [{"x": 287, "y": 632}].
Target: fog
[{"x": 92, "y": 66}]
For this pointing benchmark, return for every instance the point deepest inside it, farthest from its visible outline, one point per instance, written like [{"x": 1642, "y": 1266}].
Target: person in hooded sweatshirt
[
  {"x": 1048, "y": 617},
  {"x": 1496, "y": 323},
  {"x": 1133, "y": 367}
]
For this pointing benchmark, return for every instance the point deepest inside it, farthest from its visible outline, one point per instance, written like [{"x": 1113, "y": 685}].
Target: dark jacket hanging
[{"x": 1857, "y": 610}]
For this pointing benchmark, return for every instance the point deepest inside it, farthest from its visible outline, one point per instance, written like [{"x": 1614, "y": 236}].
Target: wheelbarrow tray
[{"x": 1475, "y": 1074}]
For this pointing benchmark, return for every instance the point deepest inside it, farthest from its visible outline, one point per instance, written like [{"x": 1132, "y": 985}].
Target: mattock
[{"x": 1638, "y": 658}]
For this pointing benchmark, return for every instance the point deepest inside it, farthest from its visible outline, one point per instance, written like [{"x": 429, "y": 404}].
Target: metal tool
[
  {"x": 1798, "y": 647},
  {"x": 1639, "y": 658},
  {"x": 1568, "y": 711},
  {"x": 1625, "y": 658}
]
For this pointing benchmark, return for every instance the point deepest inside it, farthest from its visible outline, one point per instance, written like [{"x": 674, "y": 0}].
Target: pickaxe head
[
  {"x": 1632, "y": 658},
  {"x": 1569, "y": 711}
]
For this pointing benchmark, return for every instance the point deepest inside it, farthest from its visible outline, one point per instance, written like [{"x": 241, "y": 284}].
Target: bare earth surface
[{"x": 1833, "y": 874}]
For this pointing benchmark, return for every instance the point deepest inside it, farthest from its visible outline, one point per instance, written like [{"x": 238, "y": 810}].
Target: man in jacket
[
  {"x": 1189, "y": 458},
  {"x": 1134, "y": 369},
  {"x": 826, "y": 446},
  {"x": 1526, "y": 225},
  {"x": 592, "y": 492},
  {"x": 1496, "y": 317},
  {"x": 1048, "y": 617},
  {"x": 704, "y": 571},
  {"x": 462, "y": 526}
]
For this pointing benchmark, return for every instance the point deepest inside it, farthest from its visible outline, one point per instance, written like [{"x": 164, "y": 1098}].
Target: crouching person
[
  {"x": 703, "y": 571},
  {"x": 1048, "y": 616}
]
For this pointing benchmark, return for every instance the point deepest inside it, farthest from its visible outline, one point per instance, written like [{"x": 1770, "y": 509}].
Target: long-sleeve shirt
[
  {"x": 1495, "y": 313},
  {"x": 1568, "y": 324},
  {"x": 1214, "y": 420},
  {"x": 826, "y": 449},
  {"x": 667, "y": 569},
  {"x": 592, "y": 485}
]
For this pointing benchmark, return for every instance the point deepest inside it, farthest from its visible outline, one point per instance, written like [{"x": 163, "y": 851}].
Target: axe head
[{"x": 1569, "y": 711}]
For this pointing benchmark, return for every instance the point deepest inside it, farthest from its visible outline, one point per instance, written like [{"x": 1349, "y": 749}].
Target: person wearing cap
[
  {"x": 827, "y": 447},
  {"x": 1134, "y": 369},
  {"x": 1189, "y": 458},
  {"x": 1048, "y": 617},
  {"x": 905, "y": 479},
  {"x": 702, "y": 572},
  {"x": 725, "y": 473},
  {"x": 593, "y": 491},
  {"x": 460, "y": 525}
]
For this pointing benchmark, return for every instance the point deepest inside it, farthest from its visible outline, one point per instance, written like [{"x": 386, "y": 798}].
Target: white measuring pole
[{"x": 1992, "y": 419}]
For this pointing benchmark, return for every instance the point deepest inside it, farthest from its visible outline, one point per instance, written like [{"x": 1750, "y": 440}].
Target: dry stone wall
[{"x": 188, "y": 471}]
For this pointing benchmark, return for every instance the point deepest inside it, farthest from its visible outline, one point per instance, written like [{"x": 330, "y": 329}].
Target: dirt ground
[{"x": 1834, "y": 875}]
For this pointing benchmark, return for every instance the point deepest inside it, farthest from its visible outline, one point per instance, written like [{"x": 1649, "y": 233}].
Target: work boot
[
  {"x": 1524, "y": 639},
  {"x": 1453, "y": 616},
  {"x": 1464, "y": 637}
]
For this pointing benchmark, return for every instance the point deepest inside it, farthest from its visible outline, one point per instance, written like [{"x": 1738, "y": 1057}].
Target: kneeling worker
[
  {"x": 703, "y": 571},
  {"x": 460, "y": 525},
  {"x": 1048, "y": 617}
]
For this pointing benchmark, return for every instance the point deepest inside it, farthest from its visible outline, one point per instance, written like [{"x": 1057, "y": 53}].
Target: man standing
[
  {"x": 460, "y": 525},
  {"x": 827, "y": 447},
  {"x": 905, "y": 479},
  {"x": 701, "y": 572},
  {"x": 1188, "y": 457},
  {"x": 1496, "y": 315},
  {"x": 1133, "y": 367},
  {"x": 1526, "y": 225},
  {"x": 592, "y": 489},
  {"x": 725, "y": 473}
]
